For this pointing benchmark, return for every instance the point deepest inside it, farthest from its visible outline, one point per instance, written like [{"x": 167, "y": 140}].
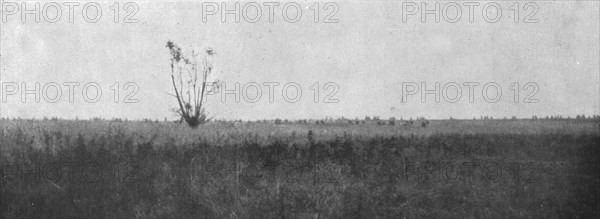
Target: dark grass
[{"x": 443, "y": 175}]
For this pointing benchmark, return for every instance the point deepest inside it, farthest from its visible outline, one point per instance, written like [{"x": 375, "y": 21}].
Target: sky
[{"x": 362, "y": 62}]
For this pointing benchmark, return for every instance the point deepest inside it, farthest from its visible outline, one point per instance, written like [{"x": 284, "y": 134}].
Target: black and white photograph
[{"x": 300, "y": 109}]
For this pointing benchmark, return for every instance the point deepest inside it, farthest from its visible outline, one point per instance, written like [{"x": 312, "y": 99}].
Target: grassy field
[{"x": 449, "y": 169}]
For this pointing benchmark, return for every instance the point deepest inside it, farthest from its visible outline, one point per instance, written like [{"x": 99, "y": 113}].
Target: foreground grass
[{"x": 526, "y": 169}]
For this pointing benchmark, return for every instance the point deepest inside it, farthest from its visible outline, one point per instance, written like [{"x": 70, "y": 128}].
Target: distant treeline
[{"x": 328, "y": 120}]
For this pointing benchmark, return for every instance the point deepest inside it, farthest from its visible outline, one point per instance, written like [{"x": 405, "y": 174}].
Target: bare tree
[{"x": 189, "y": 75}]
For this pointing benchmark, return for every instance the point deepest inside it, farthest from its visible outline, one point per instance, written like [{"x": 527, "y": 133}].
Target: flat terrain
[{"x": 449, "y": 168}]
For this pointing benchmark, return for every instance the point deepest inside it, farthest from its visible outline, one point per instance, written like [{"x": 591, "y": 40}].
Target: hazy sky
[{"x": 369, "y": 53}]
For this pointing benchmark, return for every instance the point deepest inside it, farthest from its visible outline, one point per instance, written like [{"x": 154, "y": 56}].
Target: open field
[{"x": 451, "y": 168}]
